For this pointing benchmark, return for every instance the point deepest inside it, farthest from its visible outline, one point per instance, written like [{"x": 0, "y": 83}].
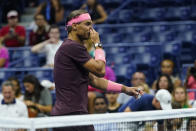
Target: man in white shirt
[
  {"x": 9, "y": 106},
  {"x": 49, "y": 46}
]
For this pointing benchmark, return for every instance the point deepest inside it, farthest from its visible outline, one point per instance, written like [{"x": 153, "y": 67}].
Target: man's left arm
[{"x": 109, "y": 86}]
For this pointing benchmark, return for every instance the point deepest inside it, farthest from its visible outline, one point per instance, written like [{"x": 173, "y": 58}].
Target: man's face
[
  {"x": 54, "y": 33},
  {"x": 100, "y": 106},
  {"x": 83, "y": 29},
  {"x": 163, "y": 83},
  {"x": 167, "y": 67},
  {"x": 137, "y": 79},
  {"x": 8, "y": 94},
  {"x": 39, "y": 20},
  {"x": 12, "y": 21},
  {"x": 29, "y": 87}
]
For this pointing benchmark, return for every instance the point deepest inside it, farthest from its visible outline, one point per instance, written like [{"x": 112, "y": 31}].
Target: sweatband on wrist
[
  {"x": 79, "y": 19},
  {"x": 100, "y": 55},
  {"x": 114, "y": 87}
]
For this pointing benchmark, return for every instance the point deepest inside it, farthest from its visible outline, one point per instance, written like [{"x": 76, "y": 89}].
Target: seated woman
[
  {"x": 180, "y": 96},
  {"x": 96, "y": 11},
  {"x": 167, "y": 67},
  {"x": 113, "y": 105},
  {"x": 37, "y": 98},
  {"x": 164, "y": 82}
]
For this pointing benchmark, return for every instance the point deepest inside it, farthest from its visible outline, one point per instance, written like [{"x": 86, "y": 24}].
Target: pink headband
[{"x": 79, "y": 18}]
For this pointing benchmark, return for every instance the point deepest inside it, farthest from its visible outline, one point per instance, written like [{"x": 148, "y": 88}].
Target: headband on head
[{"x": 79, "y": 18}]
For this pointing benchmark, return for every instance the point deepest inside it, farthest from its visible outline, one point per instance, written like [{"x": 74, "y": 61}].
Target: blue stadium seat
[
  {"x": 153, "y": 14},
  {"x": 193, "y": 12},
  {"x": 125, "y": 70},
  {"x": 112, "y": 38},
  {"x": 166, "y": 37},
  {"x": 161, "y": 28},
  {"x": 172, "y": 48},
  {"x": 125, "y": 16}
]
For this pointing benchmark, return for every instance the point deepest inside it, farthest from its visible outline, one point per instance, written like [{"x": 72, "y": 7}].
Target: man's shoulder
[
  {"x": 71, "y": 45},
  {"x": 4, "y": 28}
]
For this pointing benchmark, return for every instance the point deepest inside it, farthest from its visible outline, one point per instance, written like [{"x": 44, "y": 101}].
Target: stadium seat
[{"x": 125, "y": 16}]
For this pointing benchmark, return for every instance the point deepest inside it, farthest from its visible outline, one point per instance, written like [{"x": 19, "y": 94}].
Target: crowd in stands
[{"x": 31, "y": 97}]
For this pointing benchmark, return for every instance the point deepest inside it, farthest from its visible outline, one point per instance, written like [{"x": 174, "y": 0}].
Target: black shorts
[{"x": 75, "y": 128}]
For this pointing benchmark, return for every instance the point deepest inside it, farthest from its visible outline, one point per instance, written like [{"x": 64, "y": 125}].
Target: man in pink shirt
[{"x": 13, "y": 35}]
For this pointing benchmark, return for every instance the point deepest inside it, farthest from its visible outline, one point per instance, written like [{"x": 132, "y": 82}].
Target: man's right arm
[
  {"x": 97, "y": 67},
  {"x": 39, "y": 46}
]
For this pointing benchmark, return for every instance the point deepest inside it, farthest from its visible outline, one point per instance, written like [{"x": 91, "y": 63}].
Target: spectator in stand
[
  {"x": 96, "y": 11},
  {"x": 52, "y": 10},
  {"x": 161, "y": 100},
  {"x": 144, "y": 87},
  {"x": 191, "y": 81},
  {"x": 16, "y": 84},
  {"x": 180, "y": 96},
  {"x": 113, "y": 105},
  {"x": 177, "y": 124},
  {"x": 191, "y": 124},
  {"x": 167, "y": 67},
  {"x": 9, "y": 106},
  {"x": 37, "y": 98},
  {"x": 40, "y": 33},
  {"x": 49, "y": 46},
  {"x": 4, "y": 56},
  {"x": 100, "y": 107},
  {"x": 164, "y": 82},
  {"x": 137, "y": 78},
  {"x": 12, "y": 35}
]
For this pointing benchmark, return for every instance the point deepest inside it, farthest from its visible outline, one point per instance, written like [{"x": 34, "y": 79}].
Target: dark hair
[
  {"x": 37, "y": 88},
  {"x": 38, "y": 15},
  {"x": 18, "y": 91},
  {"x": 100, "y": 97},
  {"x": 170, "y": 84},
  {"x": 53, "y": 27},
  {"x": 189, "y": 121},
  {"x": 72, "y": 15}
]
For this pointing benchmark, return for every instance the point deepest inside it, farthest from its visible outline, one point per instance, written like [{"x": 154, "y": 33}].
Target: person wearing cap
[
  {"x": 12, "y": 35},
  {"x": 161, "y": 101},
  {"x": 74, "y": 70}
]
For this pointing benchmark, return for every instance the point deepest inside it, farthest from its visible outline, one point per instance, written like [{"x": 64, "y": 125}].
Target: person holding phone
[{"x": 12, "y": 35}]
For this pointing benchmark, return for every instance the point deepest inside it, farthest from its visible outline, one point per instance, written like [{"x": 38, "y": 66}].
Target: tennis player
[{"x": 74, "y": 70}]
